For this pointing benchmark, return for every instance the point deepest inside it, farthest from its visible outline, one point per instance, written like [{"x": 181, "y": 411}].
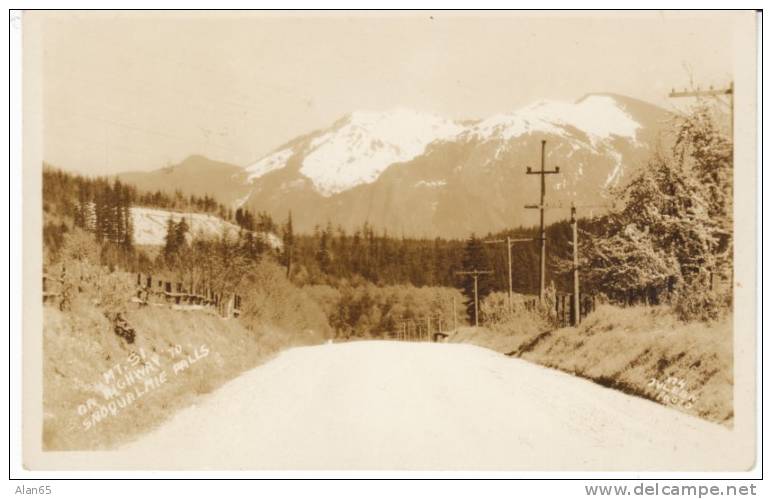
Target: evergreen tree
[
  {"x": 288, "y": 240},
  {"x": 476, "y": 257},
  {"x": 324, "y": 254},
  {"x": 181, "y": 232},
  {"x": 170, "y": 239}
]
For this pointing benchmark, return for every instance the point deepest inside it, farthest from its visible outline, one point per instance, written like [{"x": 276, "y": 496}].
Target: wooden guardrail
[
  {"x": 52, "y": 287},
  {"x": 150, "y": 290}
]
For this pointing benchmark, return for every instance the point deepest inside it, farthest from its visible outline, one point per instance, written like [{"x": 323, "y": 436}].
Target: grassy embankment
[
  {"x": 176, "y": 356},
  {"x": 642, "y": 351}
]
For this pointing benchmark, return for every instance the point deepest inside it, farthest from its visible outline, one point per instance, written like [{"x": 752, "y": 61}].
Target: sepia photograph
[{"x": 403, "y": 241}]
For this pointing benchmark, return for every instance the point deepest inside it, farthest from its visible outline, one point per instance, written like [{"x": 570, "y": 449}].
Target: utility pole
[
  {"x": 575, "y": 244},
  {"x": 543, "y": 236},
  {"x": 455, "y": 326},
  {"x": 574, "y": 230},
  {"x": 476, "y": 274},
  {"x": 289, "y": 263},
  {"x": 509, "y": 242}
]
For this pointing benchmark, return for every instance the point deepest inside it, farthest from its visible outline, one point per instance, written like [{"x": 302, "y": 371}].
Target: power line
[
  {"x": 560, "y": 205},
  {"x": 510, "y": 241}
]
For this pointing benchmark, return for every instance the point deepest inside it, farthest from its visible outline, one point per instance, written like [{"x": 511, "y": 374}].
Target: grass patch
[
  {"x": 643, "y": 351},
  {"x": 79, "y": 347}
]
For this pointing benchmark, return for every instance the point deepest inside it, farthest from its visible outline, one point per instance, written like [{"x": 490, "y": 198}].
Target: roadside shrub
[
  {"x": 495, "y": 308},
  {"x": 270, "y": 299},
  {"x": 114, "y": 292},
  {"x": 364, "y": 310},
  {"x": 695, "y": 301}
]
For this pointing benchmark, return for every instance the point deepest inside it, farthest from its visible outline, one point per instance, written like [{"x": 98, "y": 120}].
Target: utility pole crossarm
[
  {"x": 530, "y": 171},
  {"x": 711, "y": 92}
]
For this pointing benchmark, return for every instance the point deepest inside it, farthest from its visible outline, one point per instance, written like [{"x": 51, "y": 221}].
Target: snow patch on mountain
[
  {"x": 366, "y": 143},
  {"x": 598, "y": 116},
  {"x": 273, "y": 161},
  {"x": 430, "y": 183},
  {"x": 616, "y": 174},
  {"x": 239, "y": 202}
]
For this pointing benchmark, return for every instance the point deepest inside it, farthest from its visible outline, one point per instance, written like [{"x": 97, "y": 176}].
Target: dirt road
[{"x": 391, "y": 405}]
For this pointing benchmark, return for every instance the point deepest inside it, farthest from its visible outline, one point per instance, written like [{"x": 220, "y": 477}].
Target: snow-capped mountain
[
  {"x": 419, "y": 174},
  {"x": 423, "y": 175},
  {"x": 359, "y": 147}
]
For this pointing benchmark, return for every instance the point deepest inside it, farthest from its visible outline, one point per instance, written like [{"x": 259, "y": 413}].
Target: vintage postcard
[{"x": 440, "y": 241}]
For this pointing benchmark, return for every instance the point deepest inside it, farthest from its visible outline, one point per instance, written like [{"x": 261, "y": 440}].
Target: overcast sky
[{"x": 139, "y": 91}]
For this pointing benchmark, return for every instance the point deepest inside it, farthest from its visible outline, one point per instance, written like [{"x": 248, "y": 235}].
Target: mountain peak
[
  {"x": 357, "y": 148},
  {"x": 597, "y": 115}
]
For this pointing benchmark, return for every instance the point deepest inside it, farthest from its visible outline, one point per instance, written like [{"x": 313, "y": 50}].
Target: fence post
[
  {"x": 560, "y": 301},
  {"x": 562, "y": 310}
]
